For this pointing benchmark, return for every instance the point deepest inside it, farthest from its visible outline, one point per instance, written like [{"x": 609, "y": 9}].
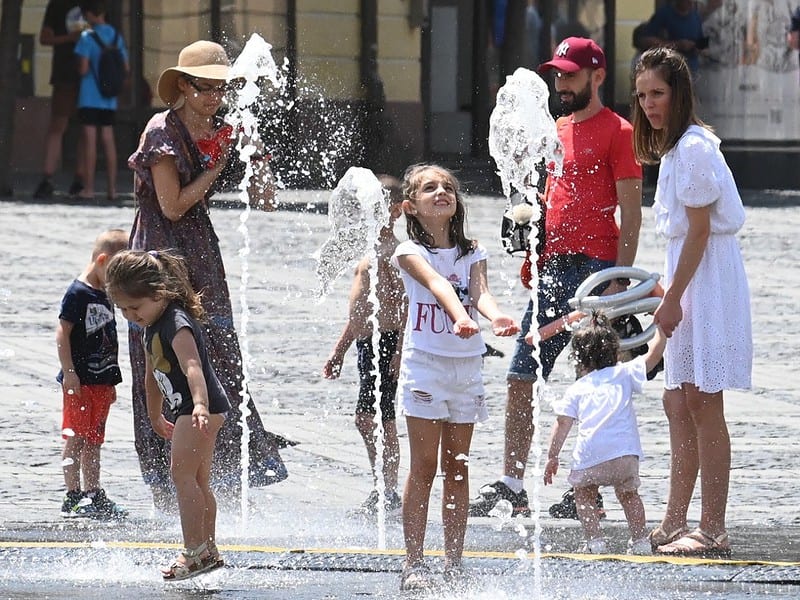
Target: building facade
[{"x": 384, "y": 83}]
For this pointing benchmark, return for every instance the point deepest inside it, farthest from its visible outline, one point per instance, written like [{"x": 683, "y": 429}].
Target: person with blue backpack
[{"x": 103, "y": 65}]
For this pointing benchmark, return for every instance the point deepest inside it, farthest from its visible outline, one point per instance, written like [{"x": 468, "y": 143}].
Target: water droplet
[
  {"x": 503, "y": 512},
  {"x": 522, "y": 131},
  {"x": 356, "y": 212}
]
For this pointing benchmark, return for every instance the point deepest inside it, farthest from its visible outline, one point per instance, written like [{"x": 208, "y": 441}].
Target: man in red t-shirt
[{"x": 600, "y": 174}]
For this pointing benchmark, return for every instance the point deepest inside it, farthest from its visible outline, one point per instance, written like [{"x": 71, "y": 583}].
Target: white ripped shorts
[{"x": 442, "y": 387}]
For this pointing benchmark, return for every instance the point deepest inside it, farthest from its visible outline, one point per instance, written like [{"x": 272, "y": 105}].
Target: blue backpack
[{"x": 110, "y": 74}]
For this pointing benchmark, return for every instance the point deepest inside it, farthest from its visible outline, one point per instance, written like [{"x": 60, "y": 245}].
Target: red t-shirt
[{"x": 581, "y": 203}]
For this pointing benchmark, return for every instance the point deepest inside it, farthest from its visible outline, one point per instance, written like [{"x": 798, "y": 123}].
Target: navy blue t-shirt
[
  {"x": 167, "y": 370},
  {"x": 93, "y": 339}
]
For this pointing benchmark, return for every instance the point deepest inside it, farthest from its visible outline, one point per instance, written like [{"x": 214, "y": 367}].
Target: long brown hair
[
  {"x": 415, "y": 230},
  {"x": 651, "y": 144},
  {"x": 153, "y": 274}
]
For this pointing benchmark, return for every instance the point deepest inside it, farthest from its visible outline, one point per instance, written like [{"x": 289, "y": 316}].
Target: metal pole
[
  {"x": 216, "y": 21},
  {"x": 480, "y": 81}
]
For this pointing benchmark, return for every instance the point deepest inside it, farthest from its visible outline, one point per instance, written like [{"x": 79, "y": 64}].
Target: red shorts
[{"x": 86, "y": 414}]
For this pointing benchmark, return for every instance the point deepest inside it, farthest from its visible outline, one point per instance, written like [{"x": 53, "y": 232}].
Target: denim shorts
[{"x": 560, "y": 278}]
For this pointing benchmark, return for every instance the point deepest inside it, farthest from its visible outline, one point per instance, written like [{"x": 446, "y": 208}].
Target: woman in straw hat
[{"x": 177, "y": 168}]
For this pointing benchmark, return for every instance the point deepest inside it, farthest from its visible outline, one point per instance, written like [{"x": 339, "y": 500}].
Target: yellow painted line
[{"x": 689, "y": 561}]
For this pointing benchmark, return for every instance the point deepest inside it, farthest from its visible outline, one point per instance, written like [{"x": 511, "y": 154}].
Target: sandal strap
[
  {"x": 212, "y": 548},
  {"x": 709, "y": 540},
  {"x": 660, "y": 537},
  {"x": 192, "y": 563}
]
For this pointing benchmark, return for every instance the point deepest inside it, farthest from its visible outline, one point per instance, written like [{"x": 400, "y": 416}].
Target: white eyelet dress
[{"x": 712, "y": 347}]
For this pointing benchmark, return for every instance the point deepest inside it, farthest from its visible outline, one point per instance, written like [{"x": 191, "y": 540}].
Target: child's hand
[
  {"x": 162, "y": 427},
  {"x": 71, "y": 384},
  {"x": 394, "y": 364},
  {"x": 550, "y": 469},
  {"x": 332, "y": 367},
  {"x": 504, "y": 326},
  {"x": 465, "y": 328},
  {"x": 200, "y": 416}
]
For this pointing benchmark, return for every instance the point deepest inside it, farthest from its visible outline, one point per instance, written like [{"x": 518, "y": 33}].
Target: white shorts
[{"x": 442, "y": 387}]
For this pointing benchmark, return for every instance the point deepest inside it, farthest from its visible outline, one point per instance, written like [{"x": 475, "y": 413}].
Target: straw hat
[{"x": 200, "y": 59}]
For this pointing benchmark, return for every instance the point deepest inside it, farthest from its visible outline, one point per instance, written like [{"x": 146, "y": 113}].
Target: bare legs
[
  {"x": 585, "y": 499},
  {"x": 699, "y": 443},
  {"x": 110, "y": 149},
  {"x": 85, "y": 458},
  {"x": 192, "y": 450},
  {"x": 52, "y": 145},
  {"x": 519, "y": 427},
  {"x": 424, "y": 439},
  {"x": 90, "y": 158},
  {"x": 52, "y": 148},
  {"x": 365, "y": 423},
  {"x": 633, "y": 507}
]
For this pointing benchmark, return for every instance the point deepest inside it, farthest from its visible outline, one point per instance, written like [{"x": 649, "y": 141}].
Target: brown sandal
[
  {"x": 191, "y": 565},
  {"x": 213, "y": 560},
  {"x": 698, "y": 543},
  {"x": 659, "y": 537}
]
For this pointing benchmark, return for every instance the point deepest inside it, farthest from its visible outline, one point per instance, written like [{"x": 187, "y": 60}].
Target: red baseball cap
[{"x": 574, "y": 54}]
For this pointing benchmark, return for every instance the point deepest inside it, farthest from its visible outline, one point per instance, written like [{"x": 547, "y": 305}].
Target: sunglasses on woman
[{"x": 208, "y": 89}]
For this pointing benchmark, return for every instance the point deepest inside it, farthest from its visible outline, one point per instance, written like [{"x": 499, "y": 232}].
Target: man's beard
[{"x": 578, "y": 101}]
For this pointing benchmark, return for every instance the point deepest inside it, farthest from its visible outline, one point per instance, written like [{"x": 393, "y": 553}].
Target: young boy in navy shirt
[{"x": 86, "y": 337}]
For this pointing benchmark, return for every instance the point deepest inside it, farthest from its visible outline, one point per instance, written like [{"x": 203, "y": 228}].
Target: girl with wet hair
[
  {"x": 608, "y": 449},
  {"x": 153, "y": 290},
  {"x": 440, "y": 383}
]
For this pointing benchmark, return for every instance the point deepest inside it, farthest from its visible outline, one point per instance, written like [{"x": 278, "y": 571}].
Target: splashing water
[
  {"x": 5, "y": 296},
  {"x": 330, "y": 130},
  {"x": 253, "y": 64},
  {"x": 356, "y": 211},
  {"x": 522, "y": 135}
]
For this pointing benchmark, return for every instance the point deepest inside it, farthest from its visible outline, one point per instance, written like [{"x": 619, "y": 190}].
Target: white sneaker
[
  {"x": 640, "y": 547},
  {"x": 595, "y": 546}
]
